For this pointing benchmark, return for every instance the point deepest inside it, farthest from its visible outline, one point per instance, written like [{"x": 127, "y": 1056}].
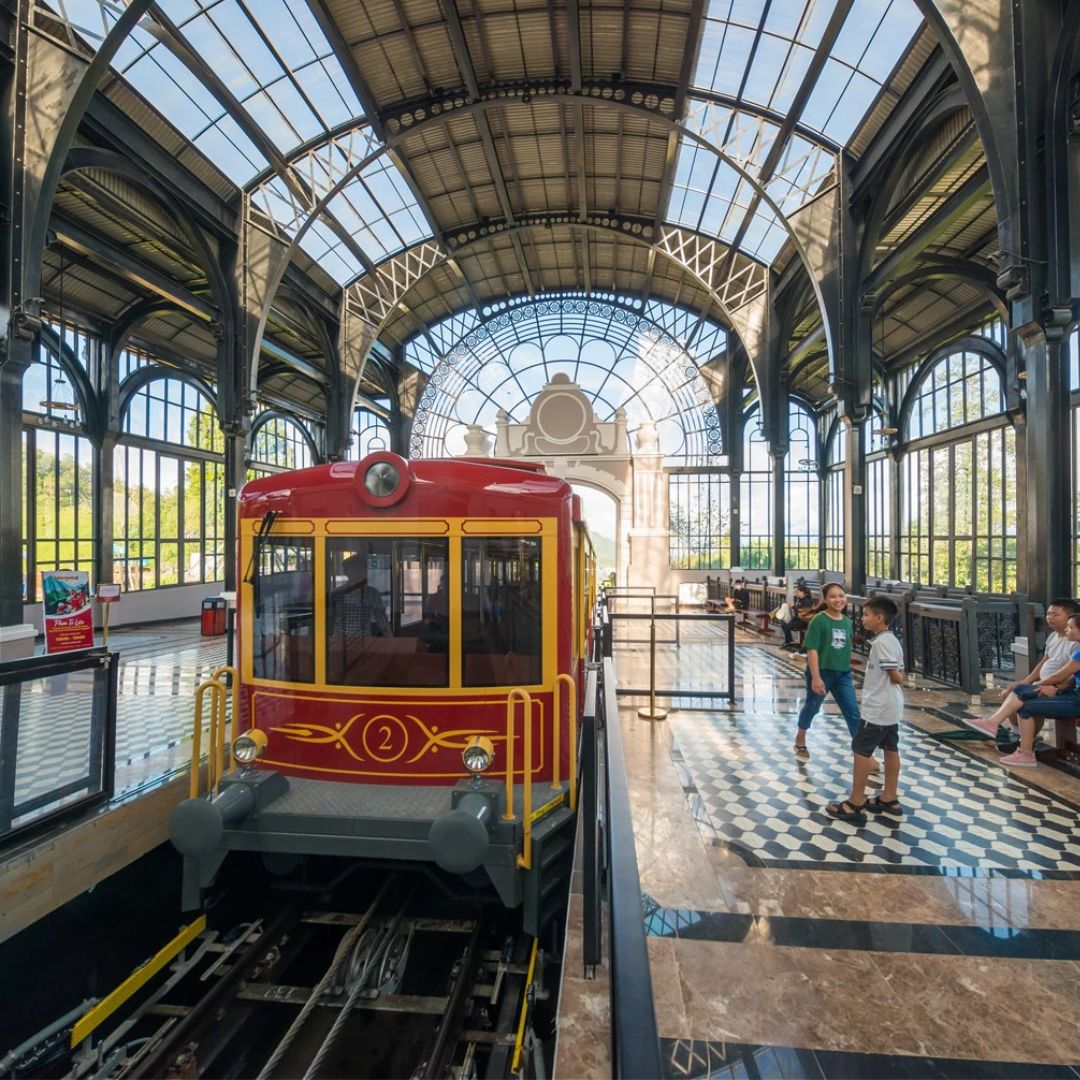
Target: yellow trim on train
[{"x": 454, "y": 529}]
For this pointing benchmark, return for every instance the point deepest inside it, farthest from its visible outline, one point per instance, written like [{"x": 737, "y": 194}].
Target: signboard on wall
[{"x": 69, "y": 618}]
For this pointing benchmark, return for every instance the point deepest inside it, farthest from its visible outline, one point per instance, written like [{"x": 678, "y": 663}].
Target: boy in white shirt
[
  {"x": 882, "y": 707},
  {"x": 1057, "y": 653}
]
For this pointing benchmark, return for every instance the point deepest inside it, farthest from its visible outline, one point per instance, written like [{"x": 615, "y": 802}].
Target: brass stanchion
[{"x": 652, "y": 712}]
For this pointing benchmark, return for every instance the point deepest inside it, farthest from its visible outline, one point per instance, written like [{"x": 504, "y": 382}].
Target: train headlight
[
  {"x": 478, "y": 755},
  {"x": 249, "y": 746},
  {"x": 381, "y": 479}
]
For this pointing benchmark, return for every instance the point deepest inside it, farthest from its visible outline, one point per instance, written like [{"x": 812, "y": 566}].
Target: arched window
[
  {"x": 958, "y": 484},
  {"x": 169, "y": 488},
  {"x": 58, "y": 461},
  {"x": 756, "y": 499},
  {"x": 958, "y": 389},
  {"x": 278, "y": 444},
  {"x": 835, "y": 459},
  {"x": 802, "y": 493},
  {"x": 371, "y": 432}
]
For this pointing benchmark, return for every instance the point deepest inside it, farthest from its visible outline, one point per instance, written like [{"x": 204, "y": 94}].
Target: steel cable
[{"x": 343, "y": 951}]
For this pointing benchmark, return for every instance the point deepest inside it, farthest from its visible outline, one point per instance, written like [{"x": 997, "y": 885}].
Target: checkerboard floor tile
[{"x": 961, "y": 814}]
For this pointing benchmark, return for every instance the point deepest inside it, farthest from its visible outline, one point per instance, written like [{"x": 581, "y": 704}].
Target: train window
[
  {"x": 500, "y": 618},
  {"x": 283, "y": 639},
  {"x": 387, "y": 613}
]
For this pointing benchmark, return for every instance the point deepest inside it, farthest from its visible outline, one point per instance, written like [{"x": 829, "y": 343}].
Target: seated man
[
  {"x": 740, "y": 595},
  {"x": 1056, "y": 695},
  {"x": 803, "y": 609},
  {"x": 356, "y": 609},
  {"x": 1056, "y": 656}
]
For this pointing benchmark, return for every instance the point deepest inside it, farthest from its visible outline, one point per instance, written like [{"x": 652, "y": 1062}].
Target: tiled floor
[{"x": 784, "y": 944}]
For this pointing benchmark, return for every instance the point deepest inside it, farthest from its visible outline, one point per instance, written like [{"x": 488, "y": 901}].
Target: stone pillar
[{"x": 648, "y": 535}]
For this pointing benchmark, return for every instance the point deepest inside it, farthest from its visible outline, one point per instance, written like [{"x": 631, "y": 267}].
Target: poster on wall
[{"x": 69, "y": 618}]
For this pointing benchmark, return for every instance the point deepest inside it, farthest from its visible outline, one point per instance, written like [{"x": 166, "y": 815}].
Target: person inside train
[
  {"x": 357, "y": 609},
  {"x": 435, "y": 631}
]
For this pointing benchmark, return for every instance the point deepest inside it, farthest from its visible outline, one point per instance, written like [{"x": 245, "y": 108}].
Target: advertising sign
[{"x": 69, "y": 619}]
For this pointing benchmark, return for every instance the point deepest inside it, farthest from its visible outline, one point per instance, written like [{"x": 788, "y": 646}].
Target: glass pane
[
  {"x": 284, "y": 608},
  {"x": 388, "y": 614},
  {"x": 501, "y": 609}
]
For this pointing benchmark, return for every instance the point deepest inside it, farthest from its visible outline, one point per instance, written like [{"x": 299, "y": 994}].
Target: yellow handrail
[
  {"x": 571, "y": 698},
  {"x": 234, "y": 684},
  {"x": 196, "y": 740},
  {"x": 517, "y": 694}
]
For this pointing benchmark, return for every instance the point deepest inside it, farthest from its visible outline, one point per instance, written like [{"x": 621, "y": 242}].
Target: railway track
[{"x": 393, "y": 989}]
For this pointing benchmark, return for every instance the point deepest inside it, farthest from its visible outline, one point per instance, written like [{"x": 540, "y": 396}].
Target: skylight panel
[{"x": 777, "y": 71}]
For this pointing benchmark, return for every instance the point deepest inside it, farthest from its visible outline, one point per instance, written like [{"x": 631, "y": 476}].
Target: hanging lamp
[{"x": 57, "y": 401}]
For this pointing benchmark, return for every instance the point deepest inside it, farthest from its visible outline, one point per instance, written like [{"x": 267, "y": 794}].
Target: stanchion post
[{"x": 652, "y": 712}]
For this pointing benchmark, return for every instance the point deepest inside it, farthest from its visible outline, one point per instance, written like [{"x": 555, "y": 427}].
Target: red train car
[{"x": 388, "y": 612}]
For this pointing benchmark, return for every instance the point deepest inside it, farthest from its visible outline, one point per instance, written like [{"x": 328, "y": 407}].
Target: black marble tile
[
  {"x": 999, "y": 942},
  {"x": 691, "y": 1059}
]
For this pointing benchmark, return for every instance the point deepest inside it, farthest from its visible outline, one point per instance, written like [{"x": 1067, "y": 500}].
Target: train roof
[{"x": 434, "y": 485}]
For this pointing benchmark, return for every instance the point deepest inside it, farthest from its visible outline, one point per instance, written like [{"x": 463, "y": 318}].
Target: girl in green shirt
[{"x": 828, "y": 643}]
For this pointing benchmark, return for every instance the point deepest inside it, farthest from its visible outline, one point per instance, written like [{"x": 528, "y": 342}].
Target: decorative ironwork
[{"x": 996, "y": 631}]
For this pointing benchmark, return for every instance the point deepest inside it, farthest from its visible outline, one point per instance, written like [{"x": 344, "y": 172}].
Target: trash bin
[{"x": 213, "y": 616}]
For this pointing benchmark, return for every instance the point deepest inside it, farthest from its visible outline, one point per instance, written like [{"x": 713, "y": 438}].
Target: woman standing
[{"x": 828, "y": 643}]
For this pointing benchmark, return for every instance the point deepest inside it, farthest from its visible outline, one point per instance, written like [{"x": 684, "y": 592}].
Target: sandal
[
  {"x": 853, "y": 813},
  {"x": 878, "y": 805},
  {"x": 802, "y": 751}
]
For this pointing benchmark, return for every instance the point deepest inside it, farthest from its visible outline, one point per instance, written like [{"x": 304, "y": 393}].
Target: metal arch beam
[
  {"x": 134, "y": 314},
  {"x": 469, "y": 107},
  {"x": 295, "y": 363},
  {"x": 28, "y": 283},
  {"x": 171, "y": 37},
  {"x": 957, "y": 203},
  {"x": 941, "y": 269},
  {"x": 976, "y": 35},
  {"x": 709, "y": 255},
  {"x": 644, "y": 98},
  {"x": 87, "y": 157},
  {"x": 132, "y": 269},
  {"x": 460, "y": 48}
]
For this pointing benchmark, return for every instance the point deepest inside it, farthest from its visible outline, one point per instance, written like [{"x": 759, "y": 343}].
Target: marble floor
[{"x": 783, "y": 944}]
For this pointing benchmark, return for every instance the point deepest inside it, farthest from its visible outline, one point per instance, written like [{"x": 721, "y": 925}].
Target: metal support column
[
  {"x": 11, "y": 490},
  {"x": 1045, "y": 507},
  {"x": 779, "y": 523},
  {"x": 855, "y": 517}
]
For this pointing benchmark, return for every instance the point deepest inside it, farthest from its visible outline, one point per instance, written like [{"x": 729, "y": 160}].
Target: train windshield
[
  {"x": 387, "y": 612},
  {"x": 500, "y": 618},
  {"x": 283, "y": 624}
]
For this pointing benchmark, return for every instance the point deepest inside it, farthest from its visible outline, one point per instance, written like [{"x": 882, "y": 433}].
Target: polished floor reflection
[{"x": 948, "y": 946}]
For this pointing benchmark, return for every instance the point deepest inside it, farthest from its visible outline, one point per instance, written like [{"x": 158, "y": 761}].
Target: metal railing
[
  {"x": 220, "y": 748},
  {"x": 57, "y": 737},
  {"x": 611, "y": 883},
  {"x": 606, "y": 637}
]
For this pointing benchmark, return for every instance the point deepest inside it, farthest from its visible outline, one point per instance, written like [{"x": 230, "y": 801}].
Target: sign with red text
[{"x": 69, "y": 618}]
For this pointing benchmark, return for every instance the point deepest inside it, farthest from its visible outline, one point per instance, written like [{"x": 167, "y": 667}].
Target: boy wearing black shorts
[{"x": 882, "y": 707}]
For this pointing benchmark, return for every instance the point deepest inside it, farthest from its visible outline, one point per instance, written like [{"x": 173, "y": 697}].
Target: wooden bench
[{"x": 1067, "y": 749}]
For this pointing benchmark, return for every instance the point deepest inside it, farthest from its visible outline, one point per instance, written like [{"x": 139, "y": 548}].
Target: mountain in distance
[{"x": 604, "y": 547}]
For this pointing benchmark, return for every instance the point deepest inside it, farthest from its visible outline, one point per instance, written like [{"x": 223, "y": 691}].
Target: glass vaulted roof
[
  {"x": 250, "y": 82},
  {"x": 643, "y": 363}
]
